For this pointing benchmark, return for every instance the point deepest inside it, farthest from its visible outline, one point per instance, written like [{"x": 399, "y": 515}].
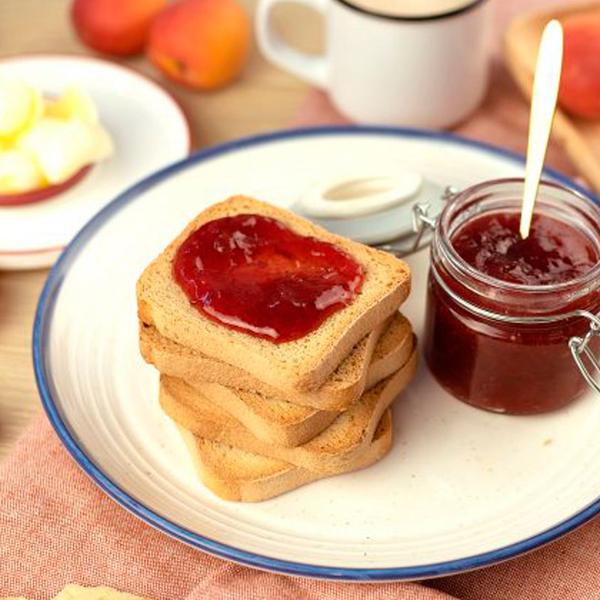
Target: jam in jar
[
  {"x": 254, "y": 274},
  {"x": 503, "y": 312}
]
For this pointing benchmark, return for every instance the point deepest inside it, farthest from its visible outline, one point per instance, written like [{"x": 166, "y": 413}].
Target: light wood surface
[
  {"x": 263, "y": 99},
  {"x": 579, "y": 137}
]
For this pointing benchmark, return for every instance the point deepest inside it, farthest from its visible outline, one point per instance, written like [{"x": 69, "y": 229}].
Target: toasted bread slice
[
  {"x": 79, "y": 592},
  {"x": 393, "y": 349},
  {"x": 274, "y": 420},
  {"x": 235, "y": 474},
  {"x": 343, "y": 387},
  {"x": 303, "y": 364},
  {"x": 269, "y": 419},
  {"x": 329, "y": 452}
]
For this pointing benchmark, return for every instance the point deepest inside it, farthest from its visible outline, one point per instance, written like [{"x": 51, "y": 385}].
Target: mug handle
[{"x": 312, "y": 69}]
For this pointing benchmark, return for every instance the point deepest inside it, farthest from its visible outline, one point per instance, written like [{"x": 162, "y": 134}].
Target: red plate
[{"x": 43, "y": 193}]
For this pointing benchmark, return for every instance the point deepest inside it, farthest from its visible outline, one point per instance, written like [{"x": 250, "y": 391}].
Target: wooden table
[{"x": 263, "y": 99}]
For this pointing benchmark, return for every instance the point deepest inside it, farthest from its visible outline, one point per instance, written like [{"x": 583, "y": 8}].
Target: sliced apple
[
  {"x": 74, "y": 102},
  {"x": 19, "y": 172},
  {"x": 20, "y": 107},
  {"x": 63, "y": 147}
]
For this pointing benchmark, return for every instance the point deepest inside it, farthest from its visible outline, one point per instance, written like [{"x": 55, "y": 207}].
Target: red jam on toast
[{"x": 254, "y": 274}]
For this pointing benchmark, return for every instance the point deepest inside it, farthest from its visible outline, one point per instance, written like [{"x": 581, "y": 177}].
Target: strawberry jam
[
  {"x": 254, "y": 274},
  {"x": 554, "y": 252},
  {"x": 501, "y": 310}
]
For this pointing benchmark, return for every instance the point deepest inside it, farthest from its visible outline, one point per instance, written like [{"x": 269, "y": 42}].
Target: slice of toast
[
  {"x": 329, "y": 452},
  {"x": 73, "y": 591},
  {"x": 303, "y": 364},
  {"x": 393, "y": 349},
  {"x": 274, "y": 420},
  {"x": 234, "y": 474},
  {"x": 386, "y": 353},
  {"x": 78, "y": 592}
]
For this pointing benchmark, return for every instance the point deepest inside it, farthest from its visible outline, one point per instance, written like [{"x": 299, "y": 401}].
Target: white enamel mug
[{"x": 424, "y": 71}]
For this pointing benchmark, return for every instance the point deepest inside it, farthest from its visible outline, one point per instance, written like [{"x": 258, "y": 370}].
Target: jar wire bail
[
  {"x": 422, "y": 223},
  {"x": 580, "y": 347}
]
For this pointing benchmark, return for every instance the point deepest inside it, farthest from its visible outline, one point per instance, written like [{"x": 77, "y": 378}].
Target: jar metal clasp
[
  {"x": 422, "y": 223},
  {"x": 580, "y": 348}
]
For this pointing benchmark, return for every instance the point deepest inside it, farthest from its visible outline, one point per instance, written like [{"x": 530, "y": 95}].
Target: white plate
[
  {"x": 146, "y": 124},
  {"x": 462, "y": 488}
]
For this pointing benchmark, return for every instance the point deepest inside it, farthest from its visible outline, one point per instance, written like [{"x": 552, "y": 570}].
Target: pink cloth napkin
[{"x": 56, "y": 527}]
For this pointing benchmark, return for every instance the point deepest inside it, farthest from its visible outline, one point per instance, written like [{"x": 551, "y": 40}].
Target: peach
[
  {"x": 117, "y": 27},
  {"x": 203, "y": 44},
  {"x": 579, "y": 91}
]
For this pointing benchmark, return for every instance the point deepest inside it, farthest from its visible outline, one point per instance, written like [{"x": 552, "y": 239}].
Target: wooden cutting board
[{"x": 579, "y": 137}]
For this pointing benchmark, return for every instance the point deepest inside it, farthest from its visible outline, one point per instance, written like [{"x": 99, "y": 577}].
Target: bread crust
[
  {"x": 266, "y": 412},
  {"x": 303, "y": 364},
  {"x": 329, "y": 452},
  {"x": 236, "y": 475}
]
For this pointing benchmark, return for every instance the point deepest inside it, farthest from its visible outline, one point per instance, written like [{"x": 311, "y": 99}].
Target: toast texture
[
  {"x": 274, "y": 420},
  {"x": 303, "y": 364},
  {"x": 343, "y": 387},
  {"x": 271, "y": 420},
  {"x": 329, "y": 452},
  {"x": 238, "y": 475},
  {"x": 393, "y": 349}
]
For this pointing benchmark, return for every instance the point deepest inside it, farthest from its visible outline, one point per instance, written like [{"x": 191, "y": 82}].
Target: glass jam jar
[{"x": 504, "y": 346}]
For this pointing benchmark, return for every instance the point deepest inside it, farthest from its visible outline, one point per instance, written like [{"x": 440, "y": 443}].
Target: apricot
[
  {"x": 579, "y": 91},
  {"x": 203, "y": 44},
  {"x": 117, "y": 27}
]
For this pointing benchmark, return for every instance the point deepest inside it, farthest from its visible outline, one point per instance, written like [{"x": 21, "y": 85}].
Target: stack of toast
[{"x": 261, "y": 418}]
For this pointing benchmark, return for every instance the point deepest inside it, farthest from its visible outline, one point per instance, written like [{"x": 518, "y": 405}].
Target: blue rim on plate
[{"x": 41, "y": 328}]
